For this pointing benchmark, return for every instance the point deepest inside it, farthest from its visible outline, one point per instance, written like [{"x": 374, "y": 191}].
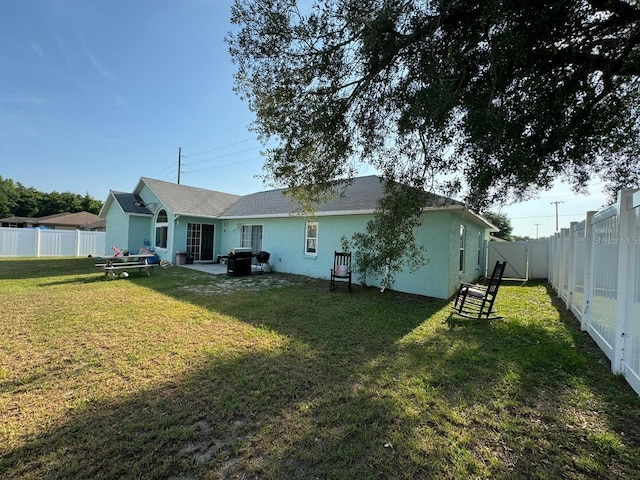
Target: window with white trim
[
  {"x": 162, "y": 229},
  {"x": 251, "y": 237},
  {"x": 463, "y": 239},
  {"x": 480, "y": 245},
  {"x": 311, "y": 238}
]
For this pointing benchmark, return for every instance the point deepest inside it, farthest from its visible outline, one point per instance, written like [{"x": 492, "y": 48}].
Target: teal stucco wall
[
  {"x": 284, "y": 239},
  {"x": 126, "y": 232},
  {"x": 180, "y": 233},
  {"x": 432, "y": 278},
  {"x": 474, "y": 237},
  {"x": 150, "y": 199},
  {"x": 117, "y": 227},
  {"x": 139, "y": 230}
]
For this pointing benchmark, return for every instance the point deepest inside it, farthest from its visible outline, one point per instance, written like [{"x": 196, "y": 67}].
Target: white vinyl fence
[
  {"x": 594, "y": 266},
  {"x": 37, "y": 242},
  {"x": 526, "y": 259}
]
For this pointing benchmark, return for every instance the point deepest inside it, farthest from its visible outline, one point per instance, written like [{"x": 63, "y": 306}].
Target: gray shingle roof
[
  {"x": 17, "y": 219},
  {"x": 185, "y": 200},
  {"x": 361, "y": 195},
  {"x": 131, "y": 203},
  {"x": 70, "y": 219}
]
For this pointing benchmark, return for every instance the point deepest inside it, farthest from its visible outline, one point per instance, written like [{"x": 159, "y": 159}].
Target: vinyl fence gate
[{"x": 526, "y": 259}]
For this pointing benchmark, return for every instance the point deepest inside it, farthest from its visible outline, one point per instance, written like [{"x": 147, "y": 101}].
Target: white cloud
[
  {"x": 97, "y": 65},
  {"x": 36, "y": 48}
]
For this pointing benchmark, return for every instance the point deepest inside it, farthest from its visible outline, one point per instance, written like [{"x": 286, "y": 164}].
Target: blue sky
[{"x": 96, "y": 94}]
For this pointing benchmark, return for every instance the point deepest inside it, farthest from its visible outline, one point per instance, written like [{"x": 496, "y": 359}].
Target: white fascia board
[
  {"x": 107, "y": 205},
  {"x": 465, "y": 212},
  {"x": 481, "y": 221},
  {"x": 444, "y": 207},
  {"x": 192, "y": 215},
  {"x": 301, "y": 214}
]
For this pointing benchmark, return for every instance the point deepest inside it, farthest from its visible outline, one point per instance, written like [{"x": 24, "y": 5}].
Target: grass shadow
[{"x": 27, "y": 268}]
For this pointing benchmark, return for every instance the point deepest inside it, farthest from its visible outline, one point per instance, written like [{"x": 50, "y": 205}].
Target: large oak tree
[
  {"x": 500, "y": 97},
  {"x": 492, "y": 100}
]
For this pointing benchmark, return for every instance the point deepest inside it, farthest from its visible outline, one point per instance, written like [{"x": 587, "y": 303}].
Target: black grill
[
  {"x": 263, "y": 257},
  {"x": 239, "y": 264}
]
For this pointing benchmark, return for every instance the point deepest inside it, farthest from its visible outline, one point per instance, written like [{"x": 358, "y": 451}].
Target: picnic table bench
[{"x": 110, "y": 264}]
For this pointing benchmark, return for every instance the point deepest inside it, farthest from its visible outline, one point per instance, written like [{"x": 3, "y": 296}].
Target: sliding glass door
[{"x": 201, "y": 241}]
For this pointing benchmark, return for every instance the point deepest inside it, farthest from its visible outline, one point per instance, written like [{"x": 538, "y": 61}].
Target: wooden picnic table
[{"x": 111, "y": 263}]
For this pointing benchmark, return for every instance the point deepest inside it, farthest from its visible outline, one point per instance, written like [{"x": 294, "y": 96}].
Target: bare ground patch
[{"x": 222, "y": 284}]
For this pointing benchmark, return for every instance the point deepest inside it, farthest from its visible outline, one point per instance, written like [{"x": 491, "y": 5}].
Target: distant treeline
[{"x": 16, "y": 200}]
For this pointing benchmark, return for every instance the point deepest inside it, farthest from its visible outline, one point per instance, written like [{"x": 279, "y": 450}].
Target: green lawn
[{"x": 185, "y": 375}]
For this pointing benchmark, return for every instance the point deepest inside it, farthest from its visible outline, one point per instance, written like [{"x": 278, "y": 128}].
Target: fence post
[
  {"x": 564, "y": 277},
  {"x": 588, "y": 252},
  {"x": 556, "y": 267},
  {"x": 552, "y": 259},
  {"x": 549, "y": 261},
  {"x": 77, "y": 242},
  {"x": 552, "y": 267},
  {"x": 624, "y": 276},
  {"x": 38, "y": 241},
  {"x": 571, "y": 281}
]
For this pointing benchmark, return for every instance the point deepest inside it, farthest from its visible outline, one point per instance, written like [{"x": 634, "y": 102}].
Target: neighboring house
[
  {"x": 59, "y": 221},
  {"x": 172, "y": 218},
  {"x": 17, "y": 222}
]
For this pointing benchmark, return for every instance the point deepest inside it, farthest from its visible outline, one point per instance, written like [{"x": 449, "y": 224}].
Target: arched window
[{"x": 162, "y": 229}]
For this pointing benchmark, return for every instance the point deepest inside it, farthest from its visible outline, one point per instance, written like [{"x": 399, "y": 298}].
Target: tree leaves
[
  {"x": 503, "y": 97},
  {"x": 20, "y": 201},
  {"x": 491, "y": 100}
]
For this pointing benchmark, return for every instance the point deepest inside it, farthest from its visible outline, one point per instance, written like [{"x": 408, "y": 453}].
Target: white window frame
[
  {"x": 311, "y": 242},
  {"x": 161, "y": 227},
  {"x": 463, "y": 241},
  {"x": 480, "y": 245},
  {"x": 247, "y": 233}
]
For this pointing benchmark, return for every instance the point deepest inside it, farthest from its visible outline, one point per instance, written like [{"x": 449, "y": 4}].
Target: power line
[
  {"x": 218, "y": 132},
  {"x": 221, "y": 166},
  {"x": 223, "y": 156},
  {"x": 160, "y": 172},
  {"x": 219, "y": 148},
  {"x": 550, "y": 216}
]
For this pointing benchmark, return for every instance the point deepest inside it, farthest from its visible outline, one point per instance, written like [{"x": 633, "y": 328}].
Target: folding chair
[
  {"x": 476, "y": 301},
  {"x": 341, "y": 269}
]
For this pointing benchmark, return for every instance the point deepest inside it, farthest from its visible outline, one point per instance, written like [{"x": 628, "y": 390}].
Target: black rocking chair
[
  {"x": 341, "y": 269},
  {"x": 476, "y": 301}
]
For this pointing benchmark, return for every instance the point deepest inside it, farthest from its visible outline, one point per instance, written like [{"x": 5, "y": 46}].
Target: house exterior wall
[
  {"x": 284, "y": 239},
  {"x": 431, "y": 278},
  {"x": 147, "y": 195},
  {"x": 176, "y": 228},
  {"x": 139, "y": 230},
  {"x": 472, "y": 268},
  {"x": 180, "y": 233},
  {"x": 117, "y": 229}
]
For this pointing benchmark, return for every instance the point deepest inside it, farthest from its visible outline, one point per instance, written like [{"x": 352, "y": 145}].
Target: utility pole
[
  {"x": 556, "y": 204},
  {"x": 537, "y": 225},
  {"x": 180, "y": 163}
]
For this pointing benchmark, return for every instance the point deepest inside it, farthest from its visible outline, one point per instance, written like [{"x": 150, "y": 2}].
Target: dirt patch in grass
[{"x": 224, "y": 285}]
